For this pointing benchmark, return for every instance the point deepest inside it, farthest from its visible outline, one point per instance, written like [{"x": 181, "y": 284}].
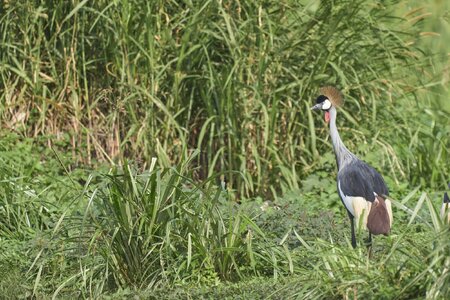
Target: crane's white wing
[{"x": 357, "y": 206}]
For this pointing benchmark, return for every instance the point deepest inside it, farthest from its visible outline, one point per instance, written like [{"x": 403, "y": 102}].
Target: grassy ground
[{"x": 166, "y": 149}]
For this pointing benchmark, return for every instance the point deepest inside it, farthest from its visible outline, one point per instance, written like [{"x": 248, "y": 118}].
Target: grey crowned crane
[
  {"x": 445, "y": 208},
  {"x": 360, "y": 187}
]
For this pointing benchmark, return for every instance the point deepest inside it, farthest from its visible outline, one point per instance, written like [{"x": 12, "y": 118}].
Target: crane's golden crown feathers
[{"x": 333, "y": 94}]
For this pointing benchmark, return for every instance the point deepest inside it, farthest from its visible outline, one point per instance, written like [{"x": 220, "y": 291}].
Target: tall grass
[{"x": 233, "y": 79}]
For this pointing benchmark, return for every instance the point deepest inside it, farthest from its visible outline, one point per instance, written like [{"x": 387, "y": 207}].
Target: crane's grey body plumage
[{"x": 361, "y": 180}]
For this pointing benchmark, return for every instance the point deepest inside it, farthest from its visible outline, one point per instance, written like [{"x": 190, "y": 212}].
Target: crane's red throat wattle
[{"x": 327, "y": 116}]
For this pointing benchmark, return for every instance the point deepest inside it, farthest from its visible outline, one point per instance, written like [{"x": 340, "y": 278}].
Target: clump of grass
[{"x": 160, "y": 227}]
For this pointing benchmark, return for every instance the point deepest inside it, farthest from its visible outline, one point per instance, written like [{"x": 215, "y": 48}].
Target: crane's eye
[{"x": 326, "y": 105}]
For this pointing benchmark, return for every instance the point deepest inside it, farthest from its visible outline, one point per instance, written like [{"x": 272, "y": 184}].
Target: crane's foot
[{"x": 368, "y": 243}]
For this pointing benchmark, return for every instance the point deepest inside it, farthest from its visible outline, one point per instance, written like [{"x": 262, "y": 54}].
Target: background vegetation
[{"x": 166, "y": 149}]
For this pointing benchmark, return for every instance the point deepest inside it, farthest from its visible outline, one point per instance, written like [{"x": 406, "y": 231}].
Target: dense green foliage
[
  {"x": 232, "y": 79},
  {"x": 165, "y": 149}
]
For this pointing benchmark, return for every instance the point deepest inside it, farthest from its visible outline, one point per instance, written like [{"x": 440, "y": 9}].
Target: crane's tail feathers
[
  {"x": 380, "y": 216},
  {"x": 389, "y": 211},
  {"x": 389, "y": 207}
]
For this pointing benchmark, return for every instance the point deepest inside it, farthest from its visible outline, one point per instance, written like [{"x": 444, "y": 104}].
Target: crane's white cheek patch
[
  {"x": 361, "y": 208},
  {"x": 326, "y": 104}
]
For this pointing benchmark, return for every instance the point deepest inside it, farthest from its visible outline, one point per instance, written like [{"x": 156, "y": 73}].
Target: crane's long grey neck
[{"x": 343, "y": 155}]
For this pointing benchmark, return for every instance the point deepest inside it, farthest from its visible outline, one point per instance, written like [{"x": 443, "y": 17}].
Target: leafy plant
[{"x": 159, "y": 226}]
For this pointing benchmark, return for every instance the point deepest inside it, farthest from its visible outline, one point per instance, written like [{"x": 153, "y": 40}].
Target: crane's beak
[{"x": 317, "y": 106}]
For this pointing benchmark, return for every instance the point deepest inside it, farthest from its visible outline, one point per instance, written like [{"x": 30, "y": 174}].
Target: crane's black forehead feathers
[{"x": 320, "y": 99}]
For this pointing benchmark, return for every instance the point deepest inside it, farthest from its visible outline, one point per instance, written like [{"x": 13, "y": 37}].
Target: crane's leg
[
  {"x": 369, "y": 241},
  {"x": 352, "y": 224},
  {"x": 369, "y": 245}
]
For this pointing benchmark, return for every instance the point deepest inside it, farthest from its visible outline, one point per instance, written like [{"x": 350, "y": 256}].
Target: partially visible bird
[
  {"x": 361, "y": 188},
  {"x": 445, "y": 208}
]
